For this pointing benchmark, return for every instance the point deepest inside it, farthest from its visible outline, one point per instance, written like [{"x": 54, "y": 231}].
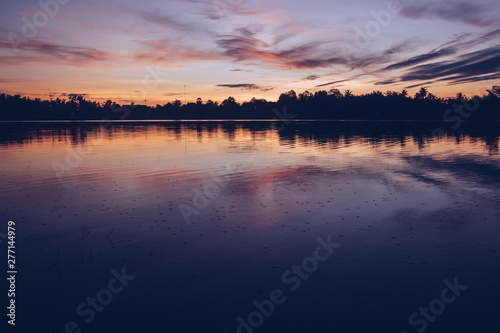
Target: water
[{"x": 212, "y": 216}]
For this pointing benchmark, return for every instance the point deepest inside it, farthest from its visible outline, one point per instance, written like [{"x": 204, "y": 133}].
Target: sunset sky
[{"x": 149, "y": 50}]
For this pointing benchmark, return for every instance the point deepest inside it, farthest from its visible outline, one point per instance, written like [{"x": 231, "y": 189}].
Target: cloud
[
  {"x": 76, "y": 94},
  {"x": 70, "y": 95},
  {"x": 483, "y": 62},
  {"x": 488, "y": 36},
  {"x": 304, "y": 56},
  {"x": 246, "y": 86},
  {"x": 419, "y": 85},
  {"x": 175, "y": 94},
  {"x": 449, "y": 48},
  {"x": 466, "y": 79},
  {"x": 217, "y": 10},
  {"x": 452, "y": 62},
  {"x": 35, "y": 51},
  {"x": 171, "y": 23},
  {"x": 386, "y": 82},
  {"x": 172, "y": 53},
  {"x": 250, "y": 30},
  {"x": 241, "y": 70},
  {"x": 407, "y": 45},
  {"x": 460, "y": 12},
  {"x": 331, "y": 83},
  {"x": 311, "y": 78},
  {"x": 421, "y": 58},
  {"x": 279, "y": 48}
]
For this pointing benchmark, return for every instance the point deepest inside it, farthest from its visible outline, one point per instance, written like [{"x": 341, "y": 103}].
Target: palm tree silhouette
[{"x": 422, "y": 93}]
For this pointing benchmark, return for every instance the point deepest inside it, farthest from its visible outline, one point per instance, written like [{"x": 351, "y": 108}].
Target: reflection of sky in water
[{"x": 409, "y": 210}]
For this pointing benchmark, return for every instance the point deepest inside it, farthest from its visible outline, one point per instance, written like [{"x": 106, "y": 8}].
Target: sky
[{"x": 152, "y": 52}]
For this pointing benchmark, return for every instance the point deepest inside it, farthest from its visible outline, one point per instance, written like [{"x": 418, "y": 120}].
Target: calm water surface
[{"x": 210, "y": 217}]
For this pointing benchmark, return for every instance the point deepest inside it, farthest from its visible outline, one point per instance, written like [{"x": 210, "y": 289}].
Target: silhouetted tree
[
  {"x": 320, "y": 105},
  {"x": 335, "y": 93},
  {"x": 229, "y": 102},
  {"x": 422, "y": 93},
  {"x": 494, "y": 91}
]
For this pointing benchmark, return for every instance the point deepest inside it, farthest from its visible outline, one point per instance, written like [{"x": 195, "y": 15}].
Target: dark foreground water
[{"x": 252, "y": 227}]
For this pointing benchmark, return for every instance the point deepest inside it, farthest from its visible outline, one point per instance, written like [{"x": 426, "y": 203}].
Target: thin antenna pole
[{"x": 50, "y": 96}]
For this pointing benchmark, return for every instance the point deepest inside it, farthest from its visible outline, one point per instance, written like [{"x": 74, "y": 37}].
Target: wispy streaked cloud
[
  {"x": 332, "y": 83},
  {"x": 421, "y": 58},
  {"x": 311, "y": 78},
  {"x": 420, "y": 84},
  {"x": 108, "y": 45},
  {"x": 35, "y": 51},
  {"x": 461, "y": 12},
  {"x": 175, "y": 94},
  {"x": 486, "y": 61},
  {"x": 246, "y": 86}
]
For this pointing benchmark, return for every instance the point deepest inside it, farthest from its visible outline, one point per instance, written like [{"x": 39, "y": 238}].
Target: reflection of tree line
[
  {"x": 326, "y": 133},
  {"x": 321, "y": 105}
]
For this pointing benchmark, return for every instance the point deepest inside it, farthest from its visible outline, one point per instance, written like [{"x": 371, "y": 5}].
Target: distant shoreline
[
  {"x": 321, "y": 106},
  {"x": 91, "y": 121}
]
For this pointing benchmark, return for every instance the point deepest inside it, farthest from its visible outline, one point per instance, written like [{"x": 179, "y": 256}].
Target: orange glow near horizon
[
  {"x": 258, "y": 49},
  {"x": 153, "y": 98}
]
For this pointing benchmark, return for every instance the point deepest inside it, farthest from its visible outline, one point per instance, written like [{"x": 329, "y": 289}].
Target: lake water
[{"x": 208, "y": 219}]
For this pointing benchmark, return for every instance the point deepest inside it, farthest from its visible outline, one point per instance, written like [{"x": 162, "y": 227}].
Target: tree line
[{"x": 332, "y": 104}]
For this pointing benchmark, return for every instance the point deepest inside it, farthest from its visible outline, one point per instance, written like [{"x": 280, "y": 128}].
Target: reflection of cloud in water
[{"x": 403, "y": 226}]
